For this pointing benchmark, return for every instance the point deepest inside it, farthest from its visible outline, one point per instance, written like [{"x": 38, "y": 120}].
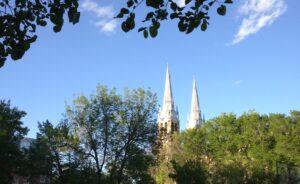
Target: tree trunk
[
  {"x": 105, "y": 146},
  {"x": 98, "y": 166},
  {"x": 59, "y": 167}
]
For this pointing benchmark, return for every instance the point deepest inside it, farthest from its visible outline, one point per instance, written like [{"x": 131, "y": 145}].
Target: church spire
[
  {"x": 194, "y": 120},
  {"x": 168, "y": 103},
  {"x": 168, "y": 115}
]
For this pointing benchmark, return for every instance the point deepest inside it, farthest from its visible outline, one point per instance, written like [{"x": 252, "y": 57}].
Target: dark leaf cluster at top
[
  {"x": 190, "y": 17},
  {"x": 20, "y": 18}
]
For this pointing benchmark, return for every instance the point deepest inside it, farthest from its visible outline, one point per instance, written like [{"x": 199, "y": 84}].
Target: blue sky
[{"x": 249, "y": 59}]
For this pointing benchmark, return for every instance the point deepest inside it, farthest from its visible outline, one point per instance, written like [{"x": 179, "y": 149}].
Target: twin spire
[
  {"x": 168, "y": 104},
  {"x": 168, "y": 111},
  {"x": 194, "y": 121}
]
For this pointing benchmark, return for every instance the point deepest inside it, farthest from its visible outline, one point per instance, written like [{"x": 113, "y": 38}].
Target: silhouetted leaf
[
  {"x": 211, "y": 3},
  {"x": 2, "y": 61},
  {"x": 124, "y": 11},
  {"x": 56, "y": 28},
  {"x": 182, "y": 26},
  {"x": 120, "y": 15},
  {"x": 141, "y": 29},
  {"x": 145, "y": 34},
  {"x": 149, "y": 15},
  {"x": 174, "y": 15},
  {"x": 221, "y": 10},
  {"x": 204, "y": 26},
  {"x": 174, "y": 6},
  {"x": 153, "y": 31},
  {"x": 17, "y": 54},
  {"x": 2, "y": 49},
  {"x": 228, "y": 1},
  {"x": 130, "y": 3},
  {"x": 124, "y": 27},
  {"x": 154, "y": 3}
]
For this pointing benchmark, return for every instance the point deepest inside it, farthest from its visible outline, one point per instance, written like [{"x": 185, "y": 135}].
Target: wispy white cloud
[
  {"x": 107, "y": 26},
  {"x": 100, "y": 11},
  {"x": 106, "y": 23},
  {"x": 237, "y": 82},
  {"x": 256, "y": 15}
]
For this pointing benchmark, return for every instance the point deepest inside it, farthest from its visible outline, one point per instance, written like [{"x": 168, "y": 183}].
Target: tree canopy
[
  {"x": 244, "y": 149},
  {"x": 19, "y": 19},
  {"x": 111, "y": 138},
  {"x": 103, "y": 138},
  {"x": 12, "y": 132}
]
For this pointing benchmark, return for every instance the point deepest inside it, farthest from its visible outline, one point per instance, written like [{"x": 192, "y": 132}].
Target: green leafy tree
[
  {"x": 115, "y": 132},
  {"x": 135, "y": 137},
  {"x": 53, "y": 156},
  {"x": 242, "y": 149},
  {"x": 191, "y": 172},
  {"x": 53, "y": 142},
  {"x": 12, "y": 132},
  {"x": 92, "y": 123},
  {"x": 19, "y": 19}
]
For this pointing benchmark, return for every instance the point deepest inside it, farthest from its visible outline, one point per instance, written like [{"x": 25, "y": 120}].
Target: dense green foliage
[
  {"x": 104, "y": 138},
  {"x": 11, "y": 133},
  {"x": 241, "y": 149},
  {"x": 19, "y": 19},
  {"x": 111, "y": 138}
]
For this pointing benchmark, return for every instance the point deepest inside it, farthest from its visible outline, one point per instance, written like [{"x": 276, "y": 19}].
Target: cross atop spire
[{"x": 194, "y": 120}]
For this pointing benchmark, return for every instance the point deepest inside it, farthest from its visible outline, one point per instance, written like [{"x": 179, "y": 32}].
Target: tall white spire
[
  {"x": 194, "y": 120},
  {"x": 168, "y": 103},
  {"x": 168, "y": 115}
]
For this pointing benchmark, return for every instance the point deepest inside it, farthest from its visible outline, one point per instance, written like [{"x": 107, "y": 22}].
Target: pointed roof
[
  {"x": 195, "y": 114},
  {"x": 195, "y": 102},
  {"x": 168, "y": 111},
  {"x": 168, "y": 103}
]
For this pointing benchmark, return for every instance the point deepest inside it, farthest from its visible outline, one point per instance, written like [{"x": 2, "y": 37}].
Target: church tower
[
  {"x": 168, "y": 118},
  {"x": 194, "y": 120}
]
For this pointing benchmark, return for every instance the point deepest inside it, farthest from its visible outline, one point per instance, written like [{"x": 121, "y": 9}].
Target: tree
[
  {"x": 242, "y": 149},
  {"x": 93, "y": 122},
  {"x": 116, "y": 133},
  {"x": 53, "y": 156},
  {"x": 38, "y": 160},
  {"x": 20, "y": 18},
  {"x": 50, "y": 142},
  {"x": 136, "y": 135},
  {"x": 191, "y": 172},
  {"x": 12, "y": 132}
]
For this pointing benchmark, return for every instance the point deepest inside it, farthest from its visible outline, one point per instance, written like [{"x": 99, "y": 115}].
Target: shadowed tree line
[
  {"x": 111, "y": 138},
  {"x": 103, "y": 138}
]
